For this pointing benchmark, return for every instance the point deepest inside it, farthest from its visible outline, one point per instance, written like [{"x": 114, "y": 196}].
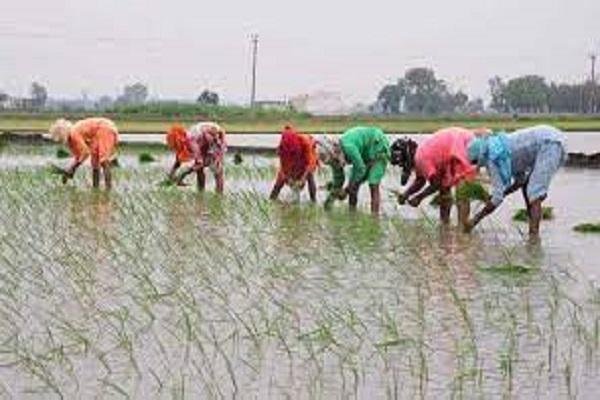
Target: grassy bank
[{"x": 273, "y": 124}]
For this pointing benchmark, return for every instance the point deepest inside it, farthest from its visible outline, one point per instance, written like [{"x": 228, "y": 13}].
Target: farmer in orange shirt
[
  {"x": 94, "y": 138},
  {"x": 298, "y": 162}
]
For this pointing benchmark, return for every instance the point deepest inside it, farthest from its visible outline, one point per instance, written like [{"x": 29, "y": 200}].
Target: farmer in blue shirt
[{"x": 527, "y": 160}]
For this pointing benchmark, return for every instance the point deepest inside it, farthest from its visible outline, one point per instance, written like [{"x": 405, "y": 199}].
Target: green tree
[
  {"x": 423, "y": 93},
  {"x": 39, "y": 94},
  {"x": 419, "y": 91},
  {"x": 565, "y": 98},
  {"x": 389, "y": 99},
  {"x": 134, "y": 94},
  {"x": 528, "y": 94},
  {"x": 209, "y": 98},
  {"x": 497, "y": 91},
  {"x": 474, "y": 106}
]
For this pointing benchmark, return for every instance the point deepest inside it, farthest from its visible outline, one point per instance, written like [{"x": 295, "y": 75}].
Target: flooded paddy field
[{"x": 153, "y": 292}]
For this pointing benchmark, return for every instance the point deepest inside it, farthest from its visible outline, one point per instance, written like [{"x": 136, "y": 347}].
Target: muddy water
[{"x": 161, "y": 292}]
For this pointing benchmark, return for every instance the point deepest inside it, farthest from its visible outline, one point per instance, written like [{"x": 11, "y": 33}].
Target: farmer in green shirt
[{"x": 368, "y": 150}]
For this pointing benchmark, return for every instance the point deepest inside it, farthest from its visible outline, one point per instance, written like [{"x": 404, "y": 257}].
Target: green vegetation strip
[
  {"x": 587, "y": 228},
  {"x": 508, "y": 269},
  {"x": 272, "y": 123}
]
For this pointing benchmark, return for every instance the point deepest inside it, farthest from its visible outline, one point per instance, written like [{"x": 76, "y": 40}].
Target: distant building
[
  {"x": 18, "y": 103},
  {"x": 281, "y": 105},
  {"x": 4, "y": 102},
  {"x": 320, "y": 103}
]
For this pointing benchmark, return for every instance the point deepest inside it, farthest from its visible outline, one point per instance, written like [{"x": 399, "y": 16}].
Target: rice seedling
[
  {"x": 62, "y": 153},
  {"x": 521, "y": 215},
  {"x": 467, "y": 191},
  {"x": 145, "y": 158},
  {"x": 587, "y": 228},
  {"x": 237, "y": 158},
  {"x": 510, "y": 269}
]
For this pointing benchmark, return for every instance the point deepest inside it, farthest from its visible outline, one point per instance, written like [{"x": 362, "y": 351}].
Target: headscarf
[
  {"x": 495, "y": 149},
  {"x": 177, "y": 140},
  {"x": 60, "y": 130},
  {"x": 330, "y": 151}
]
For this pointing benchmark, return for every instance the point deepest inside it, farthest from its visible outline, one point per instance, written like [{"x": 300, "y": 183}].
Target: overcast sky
[{"x": 179, "y": 47}]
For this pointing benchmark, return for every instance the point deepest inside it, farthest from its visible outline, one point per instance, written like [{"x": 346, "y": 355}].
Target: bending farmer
[
  {"x": 526, "y": 160},
  {"x": 368, "y": 150},
  {"x": 95, "y": 138}
]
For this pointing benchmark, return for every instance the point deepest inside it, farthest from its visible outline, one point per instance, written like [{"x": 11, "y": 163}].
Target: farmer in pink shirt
[
  {"x": 442, "y": 160},
  {"x": 205, "y": 145}
]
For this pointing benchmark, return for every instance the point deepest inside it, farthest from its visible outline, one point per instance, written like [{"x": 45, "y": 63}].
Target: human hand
[
  {"x": 401, "y": 198},
  {"x": 468, "y": 226},
  {"x": 67, "y": 174},
  {"x": 415, "y": 201},
  {"x": 341, "y": 194}
]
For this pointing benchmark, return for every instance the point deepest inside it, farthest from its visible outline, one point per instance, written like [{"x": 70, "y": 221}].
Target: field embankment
[{"x": 273, "y": 122}]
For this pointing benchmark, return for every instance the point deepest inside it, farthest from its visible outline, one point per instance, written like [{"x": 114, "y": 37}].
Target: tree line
[
  {"x": 136, "y": 94},
  {"x": 533, "y": 94},
  {"x": 419, "y": 91}
]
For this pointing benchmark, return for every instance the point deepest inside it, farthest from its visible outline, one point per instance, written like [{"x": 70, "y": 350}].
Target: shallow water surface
[{"x": 153, "y": 292}]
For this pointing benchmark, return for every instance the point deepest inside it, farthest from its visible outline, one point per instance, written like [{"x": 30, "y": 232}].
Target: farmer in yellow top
[{"x": 367, "y": 149}]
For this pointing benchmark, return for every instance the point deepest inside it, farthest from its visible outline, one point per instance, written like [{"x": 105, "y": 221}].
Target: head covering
[
  {"x": 177, "y": 140},
  {"x": 60, "y": 130},
  {"x": 495, "y": 149},
  {"x": 330, "y": 151},
  {"x": 214, "y": 130},
  {"x": 477, "y": 151}
]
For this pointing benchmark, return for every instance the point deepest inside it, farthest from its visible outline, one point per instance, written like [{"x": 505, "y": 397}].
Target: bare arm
[
  {"x": 70, "y": 171},
  {"x": 484, "y": 212},
  {"x": 434, "y": 187},
  {"x": 513, "y": 188},
  {"x": 174, "y": 169},
  {"x": 415, "y": 186},
  {"x": 187, "y": 171},
  {"x": 498, "y": 193}
]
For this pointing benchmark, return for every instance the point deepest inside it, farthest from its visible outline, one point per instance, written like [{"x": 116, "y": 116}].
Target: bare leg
[
  {"x": 279, "y": 184},
  {"x": 107, "y": 175},
  {"x": 201, "y": 179},
  {"x": 375, "y": 199},
  {"x": 95, "y": 177},
  {"x": 535, "y": 216},
  {"x": 219, "y": 181},
  {"x": 353, "y": 198},
  {"x": 464, "y": 211},
  {"x": 526, "y": 199},
  {"x": 312, "y": 187},
  {"x": 445, "y": 205}
]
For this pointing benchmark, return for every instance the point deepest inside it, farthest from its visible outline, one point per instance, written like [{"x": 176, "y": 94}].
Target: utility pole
[
  {"x": 254, "y": 40},
  {"x": 593, "y": 83}
]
